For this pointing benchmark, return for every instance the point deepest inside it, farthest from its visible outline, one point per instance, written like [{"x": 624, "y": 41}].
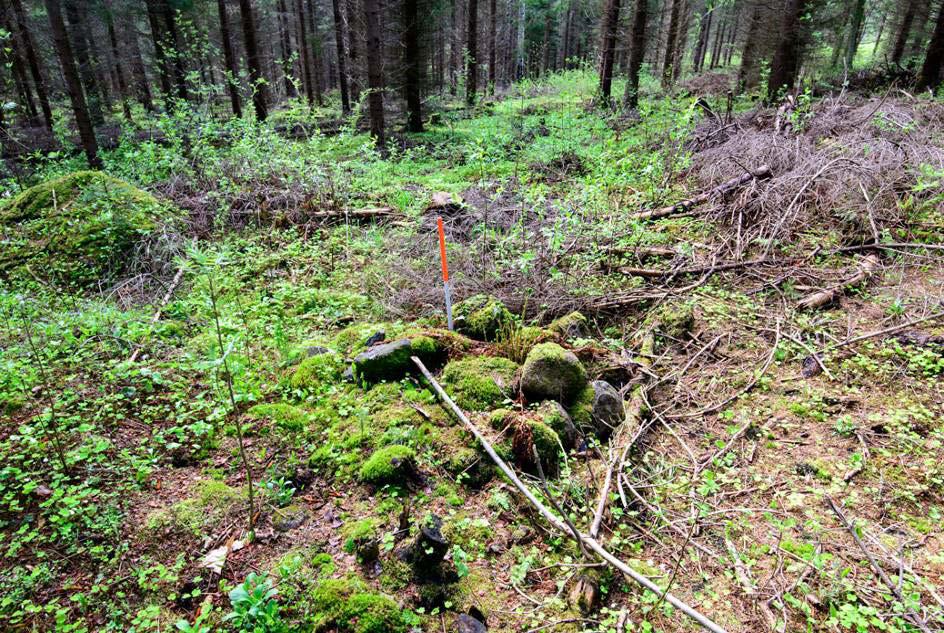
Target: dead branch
[
  {"x": 823, "y": 297},
  {"x": 160, "y": 308},
  {"x": 358, "y": 214},
  {"x": 761, "y": 173},
  {"x": 915, "y": 618},
  {"x": 554, "y": 520},
  {"x": 700, "y": 270},
  {"x": 882, "y": 332}
]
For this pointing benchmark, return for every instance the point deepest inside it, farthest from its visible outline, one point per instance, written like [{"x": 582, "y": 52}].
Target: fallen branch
[
  {"x": 915, "y": 618},
  {"x": 700, "y": 270},
  {"x": 761, "y": 173},
  {"x": 823, "y": 297},
  {"x": 358, "y": 214},
  {"x": 882, "y": 332},
  {"x": 160, "y": 307},
  {"x": 554, "y": 520},
  {"x": 626, "y": 434}
]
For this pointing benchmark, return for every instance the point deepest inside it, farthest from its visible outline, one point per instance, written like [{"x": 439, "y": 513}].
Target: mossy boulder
[
  {"x": 284, "y": 416},
  {"x": 573, "y": 325},
  {"x": 289, "y": 518},
  {"x": 469, "y": 466},
  {"x": 346, "y": 605},
  {"x": 361, "y": 539},
  {"x": 316, "y": 370},
  {"x": 545, "y": 440},
  {"x": 479, "y": 383},
  {"x": 391, "y": 361},
  {"x": 556, "y": 417},
  {"x": 389, "y": 465},
  {"x": 75, "y": 230},
  {"x": 552, "y": 373},
  {"x": 598, "y": 409},
  {"x": 481, "y": 317}
]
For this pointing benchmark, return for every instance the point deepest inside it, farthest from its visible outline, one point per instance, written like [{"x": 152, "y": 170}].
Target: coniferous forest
[{"x": 396, "y": 316}]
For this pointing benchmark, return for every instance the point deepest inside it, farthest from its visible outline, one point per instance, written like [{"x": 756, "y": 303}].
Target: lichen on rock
[
  {"x": 552, "y": 373},
  {"x": 481, "y": 317}
]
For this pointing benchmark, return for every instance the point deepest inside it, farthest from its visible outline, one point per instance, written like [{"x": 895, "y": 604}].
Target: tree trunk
[
  {"x": 681, "y": 42},
  {"x": 315, "y": 43},
  {"x": 904, "y": 31},
  {"x": 11, "y": 57},
  {"x": 519, "y": 41},
  {"x": 704, "y": 27},
  {"x": 120, "y": 76},
  {"x": 748, "y": 67},
  {"x": 492, "y": 28},
  {"x": 930, "y": 76},
  {"x": 342, "y": 62},
  {"x": 307, "y": 77},
  {"x": 349, "y": 6},
  {"x": 733, "y": 31},
  {"x": 786, "y": 61},
  {"x": 285, "y": 44},
  {"x": 81, "y": 51},
  {"x": 608, "y": 30},
  {"x": 375, "y": 79},
  {"x": 881, "y": 31},
  {"x": 668, "y": 61},
  {"x": 229, "y": 59},
  {"x": 138, "y": 72},
  {"x": 256, "y": 78},
  {"x": 472, "y": 68},
  {"x": 73, "y": 83},
  {"x": 637, "y": 53},
  {"x": 414, "y": 65},
  {"x": 160, "y": 55},
  {"x": 855, "y": 30},
  {"x": 168, "y": 13},
  {"x": 33, "y": 61}
]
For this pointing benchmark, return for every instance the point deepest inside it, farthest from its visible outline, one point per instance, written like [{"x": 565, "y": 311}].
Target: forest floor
[{"x": 785, "y": 338}]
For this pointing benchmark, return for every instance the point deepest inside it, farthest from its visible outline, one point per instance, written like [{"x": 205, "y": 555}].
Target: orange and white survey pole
[{"x": 445, "y": 271}]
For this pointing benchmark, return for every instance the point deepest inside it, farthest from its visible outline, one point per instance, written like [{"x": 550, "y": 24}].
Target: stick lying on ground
[
  {"x": 700, "y": 270},
  {"x": 823, "y": 297},
  {"x": 553, "y": 519},
  {"x": 761, "y": 173},
  {"x": 359, "y": 214},
  {"x": 160, "y": 308}
]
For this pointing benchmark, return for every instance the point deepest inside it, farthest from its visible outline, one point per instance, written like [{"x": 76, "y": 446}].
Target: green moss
[
  {"x": 389, "y": 361},
  {"x": 581, "y": 410},
  {"x": 77, "y": 229},
  {"x": 346, "y": 605},
  {"x": 500, "y": 418},
  {"x": 479, "y": 383},
  {"x": 317, "y": 370},
  {"x": 284, "y": 416},
  {"x": 396, "y": 575},
  {"x": 213, "y": 500},
  {"x": 358, "y": 533},
  {"x": 552, "y": 373},
  {"x": 676, "y": 321},
  {"x": 468, "y": 466},
  {"x": 391, "y": 464},
  {"x": 352, "y": 339},
  {"x": 481, "y": 317},
  {"x": 548, "y": 445},
  {"x": 570, "y": 325}
]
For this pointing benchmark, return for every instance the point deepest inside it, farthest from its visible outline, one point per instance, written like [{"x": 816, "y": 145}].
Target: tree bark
[
  {"x": 308, "y": 80},
  {"x": 930, "y": 76},
  {"x": 315, "y": 43},
  {"x": 904, "y": 31},
  {"x": 472, "y": 67},
  {"x": 73, "y": 83},
  {"x": 704, "y": 27},
  {"x": 637, "y": 53},
  {"x": 160, "y": 55},
  {"x": 748, "y": 67},
  {"x": 120, "y": 75},
  {"x": 855, "y": 30},
  {"x": 608, "y": 30},
  {"x": 232, "y": 69},
  {"x": 492, "y": 28},
  {"x": 81, "y": 52},
  {"x": 138, "y": 72},
  {"x": 33, "y": 61},
  {"x": 375, "y": 79},
  {"x": 668, "y": 63},
  {"x": 342, "y": 61},
  {"x": 349, "y": 7},
  {"x": 168, "y": 13},
  {"x": 256, "y": 77},
  {"x": 285, "y": 42},
  {"x": 414, "y": 65},
  {"x": 786, "y": 61}
]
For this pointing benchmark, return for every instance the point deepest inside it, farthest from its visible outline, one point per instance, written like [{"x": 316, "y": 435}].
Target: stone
[
  {"x": 573, "y": 325},
  {"x": 393, "y": 464},
  {"x": 377, "y": 337},
  {"x": 429, "y": 548},
  {"x": 584, "y": 593},
  {"x": 316, "y": 350},
  {"x": 555, "y": 416},
  {"x": 598, "y": 409},
  {"x": 479, "y": 383},
  {"x": 467, "y": 624},
  {"x": 389, "y": 361},
  {"x": 285, "y": 519},
  {"x": 552, "y": 373},
  {"x": 481, "y": 317}
]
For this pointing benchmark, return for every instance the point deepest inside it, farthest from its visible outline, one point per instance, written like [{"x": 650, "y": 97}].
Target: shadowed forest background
[{"x": 694, "y": 257}]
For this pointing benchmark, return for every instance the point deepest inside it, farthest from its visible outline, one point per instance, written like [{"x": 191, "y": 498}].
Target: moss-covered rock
[
  {"x": 75, "y": 230},
  {"x": 361, "y": 539},
  {"x": 317, "y": 370},
  {"x": 581, "y": 409},
  {"x": 479, "y": 383},
  {"x": 469, "y": 466},
  {"x": 545, "y": 440},
  {"x": 598, "y": 409},
  {"x": 289, "y": 518},
  {"x": 500, "y": 418},
  {"x": 573, "y": 325},
  {"x": 556, "y": 417},
  {"x": 212, "y": 502},
  {"x": 346, "y": 605},
  {"x": 552, "y": 373},
  {"x": 389, "y": 361},
  {"x": 283, "y": 415},
  {"x": 389, "y": 465},
  {"x": 481, "y": 317}
]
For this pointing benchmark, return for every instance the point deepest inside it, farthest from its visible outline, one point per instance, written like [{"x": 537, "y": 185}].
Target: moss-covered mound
[
  {"x": 285, "y": 416},
  {"x": 74, "y": 230},
  {"x": 552, "y": 373},
  {"x": 346, "y": 606},
  {"x": 479, "y": 383},
  {"x": 389, "y": 465},
  {"x": 481, "y": 317}
]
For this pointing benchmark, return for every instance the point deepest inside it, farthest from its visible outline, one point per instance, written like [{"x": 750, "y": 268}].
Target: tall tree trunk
[
  {"x": 285, "y": 42},
  {"x": 455, "y": 48},
  {"x": 881, "y": 31},
  {"x": 519, "y": 40},
  {"x": 732, "y": 36},
  {"x": 608, "y": 30},
  {"x": 349, "y": 6},
  {"x": 904, "y": 31},
  {"x": 720, "y": 34},
  {"x": 168, "y": 13},
  {"x": 637, "y": 53},
  {"x": 315, "y": 42},
  {"x": 33, "y": 61},
  {"x": 375, "y": 79},
  {"x": 303, "y": 47},
  {"x": 11, "y": 56},
  {"x": 681, "y": 44},
  {"x": 786, "y": 61},
  {"x": 668, "y": 64},
  {"x": 342, "y": 62},
  {"x": 160, "y": 54},
  {"x": 256, "y": 77},
  {"x": 930, "y": 76},
  {"x": 704, "y": 27},
  {"x": 229, "y": 59},
  {"x": 855, "y": 30},
  {"x": 414, "y": 65},
  {"x": 73, "y": 83},
  {"x": 120, "y": 75},
  {"x": 81, "y": 50},
  {"x": 492, "y": 27},
  {"x": 748, "y": 67},
  {"x": 472, "y": 50},
  {"x": 138, "y": 71}
]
